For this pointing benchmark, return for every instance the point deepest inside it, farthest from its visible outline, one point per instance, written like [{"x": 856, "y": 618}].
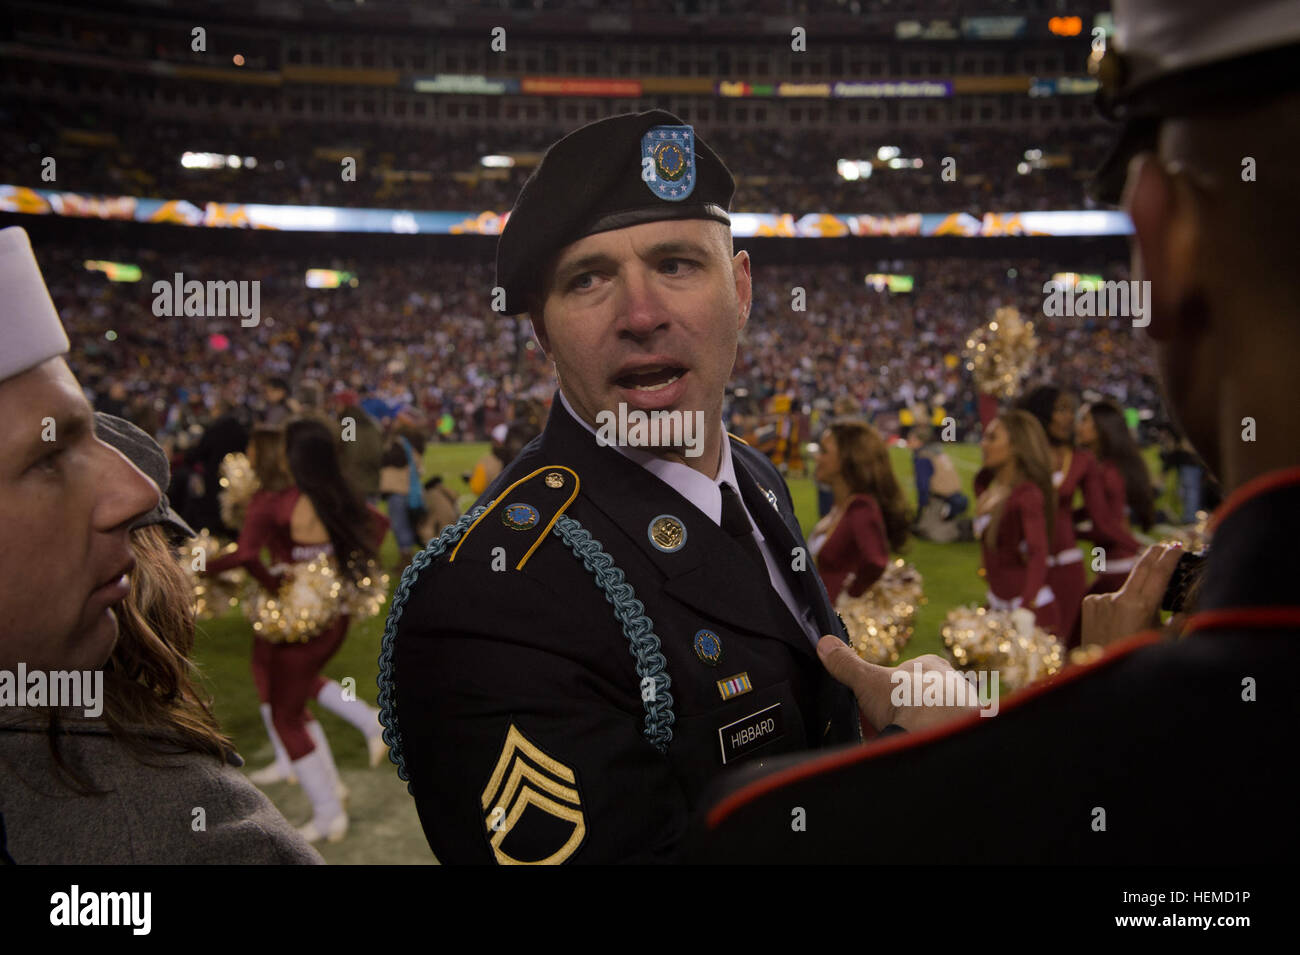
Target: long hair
[
  {"x": 1041, "y": 403},
  {"x": 865, "y": 467},
  {"x": 1033, "y": 463},
  {"x": 152, "y": 698},
  {"x": 314, "y": 465},
  {"x": 269, "y": 461},
  {"x": 1116, "y": 446}
]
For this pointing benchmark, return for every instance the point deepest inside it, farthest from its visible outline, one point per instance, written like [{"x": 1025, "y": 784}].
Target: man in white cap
[
  {"x": 67, "y": 499},
  {"x": 1173, "y": 746}
]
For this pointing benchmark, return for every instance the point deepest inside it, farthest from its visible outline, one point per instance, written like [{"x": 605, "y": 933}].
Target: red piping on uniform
[
  {"x": 1248, "y": 618},
  {"x": 794, "y": 774},
  {"x": 1253, "y": 488}
]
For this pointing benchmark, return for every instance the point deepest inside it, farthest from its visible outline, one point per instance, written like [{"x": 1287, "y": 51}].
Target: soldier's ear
[
  {"x": 744, "y": 285},
  {"x": 536, "y": 316}
]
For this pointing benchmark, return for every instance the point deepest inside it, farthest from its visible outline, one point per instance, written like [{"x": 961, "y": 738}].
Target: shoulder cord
[{"x": 630, "y": 612}]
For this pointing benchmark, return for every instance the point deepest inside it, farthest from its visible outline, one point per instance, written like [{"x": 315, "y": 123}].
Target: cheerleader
[
  {"x": 313, "y": 515},
  {"x": 1015, "y": 515},
  {"x": 868, "y": 515},
  {"x": 1117, "y": 492},
  {"x": 1071, "y": 470}
]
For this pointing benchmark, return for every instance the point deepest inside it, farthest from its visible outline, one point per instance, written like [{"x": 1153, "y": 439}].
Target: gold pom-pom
[
  {"x": 1088, "y": 653},
  {"x": 238, "y": 485},
  {"x": 982, "y": 639},
  {"x": 880, "y": 622},
  {"x": 311, "y": 595},
  {"x": 307, "y": 600},
  {"x": 1000, "y": 354},
  {"x": 213, "y": 596},
  {"x": 367, "y": 596}
]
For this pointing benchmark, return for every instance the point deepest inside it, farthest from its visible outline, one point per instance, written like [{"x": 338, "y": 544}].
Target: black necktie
[{"x": 736, "y": 523}]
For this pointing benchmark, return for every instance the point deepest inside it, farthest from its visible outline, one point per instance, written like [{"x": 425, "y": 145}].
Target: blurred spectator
[{"x": 940, "y": 503}]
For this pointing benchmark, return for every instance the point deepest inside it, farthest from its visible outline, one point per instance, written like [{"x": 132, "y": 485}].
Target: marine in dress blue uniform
[
  {"x": 567, "y": 668},
  {"x": 1173, "y": 747}
]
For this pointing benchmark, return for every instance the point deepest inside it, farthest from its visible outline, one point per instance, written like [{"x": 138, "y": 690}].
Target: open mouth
[{"x": 651, "y": 379}]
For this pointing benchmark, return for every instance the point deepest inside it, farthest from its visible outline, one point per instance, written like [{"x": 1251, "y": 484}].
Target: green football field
[{"x": 385, "y": 828}]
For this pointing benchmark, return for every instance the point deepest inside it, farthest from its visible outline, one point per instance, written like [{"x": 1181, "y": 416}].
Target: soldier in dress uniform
[
  {"x": 1173, "y": 746},
  {"x": 611, "y": 627}
]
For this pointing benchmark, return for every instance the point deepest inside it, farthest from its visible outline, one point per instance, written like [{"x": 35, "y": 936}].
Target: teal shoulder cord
[{"x": 643, "y": 643}]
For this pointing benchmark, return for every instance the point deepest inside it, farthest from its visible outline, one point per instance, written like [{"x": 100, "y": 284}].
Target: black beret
[{"x": 610, "y": 174}]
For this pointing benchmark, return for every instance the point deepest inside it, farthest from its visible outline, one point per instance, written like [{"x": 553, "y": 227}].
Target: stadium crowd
[
  {"x": 423, "y": 334},
  {"x": 776, "y": 172}
]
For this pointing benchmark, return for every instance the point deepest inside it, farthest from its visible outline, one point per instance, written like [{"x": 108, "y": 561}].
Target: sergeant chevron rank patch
[{"x": 532, "y": 810}]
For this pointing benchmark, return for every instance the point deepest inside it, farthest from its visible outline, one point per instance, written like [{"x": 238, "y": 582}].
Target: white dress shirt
[{"x": 705, "y": 494}]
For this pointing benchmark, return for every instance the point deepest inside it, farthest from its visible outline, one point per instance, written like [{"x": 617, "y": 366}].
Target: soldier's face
[
  {"x": 66, "y": 506},
  {"x": 648, "y": 316}
]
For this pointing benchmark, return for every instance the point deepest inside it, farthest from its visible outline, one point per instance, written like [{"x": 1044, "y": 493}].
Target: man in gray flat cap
[
  {"x": 629, "y": 611},
  {"x": 1174, "y": 746},
  {"x": 67, "y": 499}
]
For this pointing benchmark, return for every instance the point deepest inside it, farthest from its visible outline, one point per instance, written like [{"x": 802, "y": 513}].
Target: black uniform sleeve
[{"x": 522, "y": 746}]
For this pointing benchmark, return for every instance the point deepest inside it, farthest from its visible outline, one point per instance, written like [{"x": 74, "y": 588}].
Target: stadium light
[
  {"x": 853, "y": 169},
  {"x": 202, "y": 160},
  {"x": 1065, "y": 26},
  {"x": 887, "y": 152},
  {"x": 497, "y": 162}
]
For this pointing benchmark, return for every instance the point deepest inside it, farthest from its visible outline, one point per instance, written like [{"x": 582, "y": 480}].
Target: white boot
[
  {"x": 278, "y": 771},
  {"x": 360, "y": 714},
  {"x": 317, "y": 734},
  {"x": 329, "y": 821}
]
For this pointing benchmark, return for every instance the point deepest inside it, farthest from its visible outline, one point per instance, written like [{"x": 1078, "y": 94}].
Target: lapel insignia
[
  {"x": 708, "y": 647},
  {"x": 735, "y": 686},
  {"x": 667, "y": 533},
  {"x": 771, "y": 499},
  {"x": 519, "y": 517},
  {"x": 555, "y": 479},
  {"x": 532, "y": 812}
]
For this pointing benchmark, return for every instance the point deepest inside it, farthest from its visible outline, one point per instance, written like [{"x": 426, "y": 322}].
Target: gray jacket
[{"x": 183, "y": 808}]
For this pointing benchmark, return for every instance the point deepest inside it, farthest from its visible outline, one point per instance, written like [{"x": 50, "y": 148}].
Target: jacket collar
[
  {"x": 1254, "y": 558},
  {"x": 703, "y": 573}
]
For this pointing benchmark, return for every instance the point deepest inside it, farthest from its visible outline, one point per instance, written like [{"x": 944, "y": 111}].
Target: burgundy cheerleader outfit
[
  {"x": 857, "y": 545},
  {"x": 1105, "y": 503},
  {"x": 287, "y": 675},
  {"x": 1065, "y": 573},
  {"x": 1016, "y": 569}
]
